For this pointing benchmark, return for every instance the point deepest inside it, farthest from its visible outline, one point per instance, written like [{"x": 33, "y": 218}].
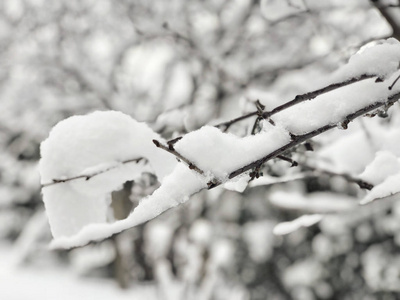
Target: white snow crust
[
  {"x": 221, "y": 153},
  {"x": 318, "y": 202},
  {"x": 380, "y": 59},
  {"x": 291, "y": 226},
  {"x": 85, "y": 145},
  {"x": 175, "y": 189}
]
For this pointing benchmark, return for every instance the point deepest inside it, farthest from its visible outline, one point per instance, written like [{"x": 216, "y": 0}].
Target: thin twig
[
  {"x": 316, "y": 93},
  {"x": 171, "y": 150},
  {"x": 89, "y": 176},
  {"x": 394, "y": 82}
]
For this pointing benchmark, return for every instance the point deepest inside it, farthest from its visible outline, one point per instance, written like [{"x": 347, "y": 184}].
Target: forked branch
[
  {"x": 297, "y": 99},
  {"x": 296, "y": 140}
]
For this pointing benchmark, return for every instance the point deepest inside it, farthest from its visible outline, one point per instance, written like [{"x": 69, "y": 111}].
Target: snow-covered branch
[
  {"x": 298, "y": 139},
  {"x": 298, "y": 99},
  {"x": 78, "y": 147}
]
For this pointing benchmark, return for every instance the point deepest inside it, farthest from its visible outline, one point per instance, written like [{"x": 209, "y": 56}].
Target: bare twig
[
  {"x": 394, "y": 82},
  {"x": 171, "y": 150},
  {"x": 89, "y": 176}
]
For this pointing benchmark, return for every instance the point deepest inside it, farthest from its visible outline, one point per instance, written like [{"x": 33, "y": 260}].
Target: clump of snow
[
  {"x": 333, "y": 107},
  {"x": 349, "y": 153},
  {"x": 378, "y": 59},
  {"x": 238, "y": 184},
  {"x": 291, "y": 226},
  {"x": 270, "y": 180},
  {"x": 319, "y": 202},
  {"x": 390, "y": 186},
  {"x": 221, "y": 153},
  {"x": 85, "y": 146},
  {"x": 176, "y": 188},
  {"x": 385, "y": 164},
  {"x": 81, "y": 142},
  {"x": 384, "y": 173}
]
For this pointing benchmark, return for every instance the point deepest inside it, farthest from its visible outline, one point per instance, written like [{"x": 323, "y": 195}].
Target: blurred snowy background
[{"x": 178, "y": 65}]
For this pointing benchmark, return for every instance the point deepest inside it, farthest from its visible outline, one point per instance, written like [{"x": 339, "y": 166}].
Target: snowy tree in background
[{"x": 215, "y": 149}]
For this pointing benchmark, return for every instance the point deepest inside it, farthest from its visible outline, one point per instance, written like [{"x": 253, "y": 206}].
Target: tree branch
[
  {"x": 89, "y": 176},
  {"x": 296, "y": 140},
  {"x": 298, "y": 99},
  {"x": 171, "y": 150}
]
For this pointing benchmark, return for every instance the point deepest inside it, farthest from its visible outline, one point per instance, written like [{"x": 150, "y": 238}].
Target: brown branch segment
[
  {"x": 171, "y": 150},
  {"x": 89, "y": 176}
]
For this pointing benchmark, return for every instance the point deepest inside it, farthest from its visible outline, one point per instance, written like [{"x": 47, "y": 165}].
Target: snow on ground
[{"x": 21, "y": 283}]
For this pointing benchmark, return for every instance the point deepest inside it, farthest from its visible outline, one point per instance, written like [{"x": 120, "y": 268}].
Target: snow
[
  {"x": 221, "y": 153},
  {"x": 348, "y": 153},
  {"x": 101, "y": 143},
  {"x": 384, "y": 173},
  {"x": 82, "y": 142},
  {"x": 48, "y": 283},
  {"x": 86, "y": 145},
  {"x": 291, "y": 226},
  {"x": 55, "y": 284},
  {"x": 93, "y": 256},
  {"x": 270, "y": 180},
  {"x": 385, "y": 164},
  {"x": 375, "y": 59},
  {"x": 332, "y": 108},
  {"x": 238, "y": 184},
  {"x": 318, "y": 202},
  {"x": 175, "y": 189},
  {"x": 390, "y": 186}
]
